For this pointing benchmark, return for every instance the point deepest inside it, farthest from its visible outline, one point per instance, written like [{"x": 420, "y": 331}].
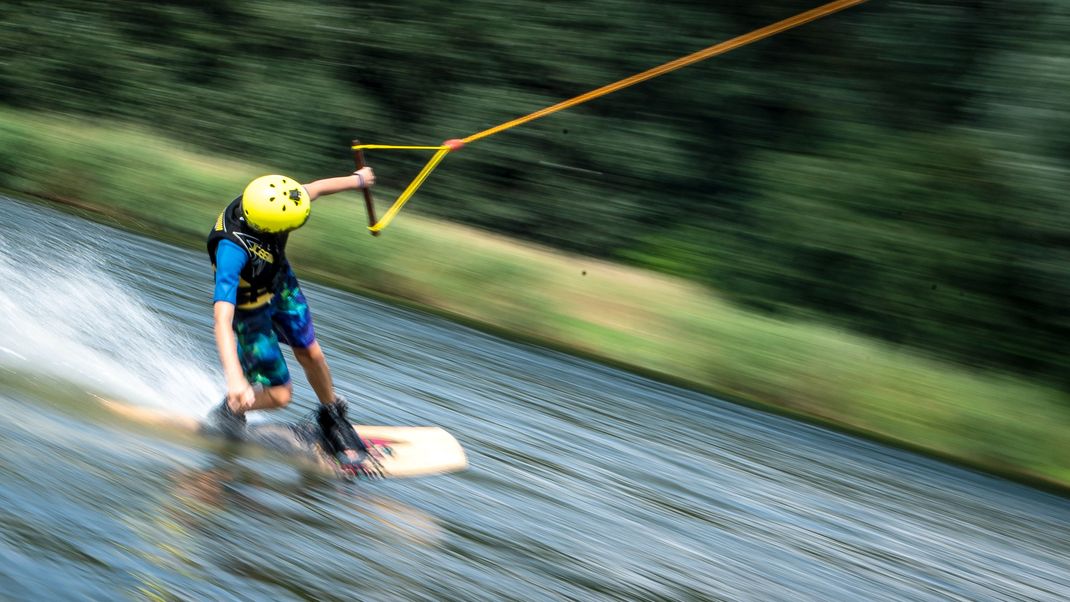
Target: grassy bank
[{"x": 658, "y": 325}]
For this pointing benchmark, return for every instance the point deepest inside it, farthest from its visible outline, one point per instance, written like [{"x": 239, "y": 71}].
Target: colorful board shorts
[{"x": 285, "y": 319}]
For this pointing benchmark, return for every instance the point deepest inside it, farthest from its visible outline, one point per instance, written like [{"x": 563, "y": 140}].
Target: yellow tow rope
[{"x": 712, "y": 51}]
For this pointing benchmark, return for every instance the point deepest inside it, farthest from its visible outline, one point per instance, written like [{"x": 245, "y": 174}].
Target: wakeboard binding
[
  {"x": 226, "y": 422},
  {"x": 341, "y": 441}
]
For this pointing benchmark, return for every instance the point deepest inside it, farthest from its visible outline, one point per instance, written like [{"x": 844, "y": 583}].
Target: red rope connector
[{"x": 454, "y": 144}]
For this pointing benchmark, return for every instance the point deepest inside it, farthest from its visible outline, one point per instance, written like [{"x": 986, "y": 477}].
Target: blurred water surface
[{"x": 586, "y": 483}]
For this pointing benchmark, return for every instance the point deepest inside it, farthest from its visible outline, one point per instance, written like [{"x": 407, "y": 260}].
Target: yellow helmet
[{"x": 275, "y": 204}]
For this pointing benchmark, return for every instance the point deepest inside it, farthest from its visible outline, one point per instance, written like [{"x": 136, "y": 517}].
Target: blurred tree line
[{"x": 899, "y": 169}]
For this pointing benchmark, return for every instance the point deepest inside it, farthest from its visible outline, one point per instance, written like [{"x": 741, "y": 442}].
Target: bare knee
[
  {"x": 313, "y": 354},
  {"x": 278, "y": 397}
]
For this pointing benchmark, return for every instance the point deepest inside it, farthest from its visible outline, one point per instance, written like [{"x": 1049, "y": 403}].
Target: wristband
[{"x": 361, "y": 178}]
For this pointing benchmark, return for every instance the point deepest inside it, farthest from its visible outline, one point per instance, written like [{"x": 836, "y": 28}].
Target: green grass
[{"x": 654, "y": 324}]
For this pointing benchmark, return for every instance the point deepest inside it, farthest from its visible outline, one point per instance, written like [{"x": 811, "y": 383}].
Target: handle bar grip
[{"x": 369, "y": 206}]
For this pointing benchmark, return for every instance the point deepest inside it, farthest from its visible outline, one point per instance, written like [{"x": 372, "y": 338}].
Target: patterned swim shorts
[{"x": 285, "y": 319}]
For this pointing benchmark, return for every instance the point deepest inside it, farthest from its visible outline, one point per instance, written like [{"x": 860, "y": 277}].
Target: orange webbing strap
[{"x": 701, "y": 55}]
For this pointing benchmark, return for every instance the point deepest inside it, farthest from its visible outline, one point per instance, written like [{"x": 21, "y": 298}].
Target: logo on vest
[{"x": 261, "y": 252}]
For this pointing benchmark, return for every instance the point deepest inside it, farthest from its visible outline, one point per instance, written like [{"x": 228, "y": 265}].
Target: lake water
[{"x": 586, "y": 482}]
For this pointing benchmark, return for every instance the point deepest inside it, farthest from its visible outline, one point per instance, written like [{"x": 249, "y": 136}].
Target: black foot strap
[{"x": 339, "y": 438}]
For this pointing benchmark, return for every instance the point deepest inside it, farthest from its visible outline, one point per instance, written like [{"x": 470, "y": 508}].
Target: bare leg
[
  {"x": 228, "y": 419},
  {"x": 319, "y": 376},
  {"x": 272, "y": 398},
  {"x": 268, "y": 398},
  {"x": 314, "y": 363}
]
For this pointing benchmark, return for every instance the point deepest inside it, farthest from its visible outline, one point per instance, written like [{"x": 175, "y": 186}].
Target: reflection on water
[{"x": 586, "y": 483}]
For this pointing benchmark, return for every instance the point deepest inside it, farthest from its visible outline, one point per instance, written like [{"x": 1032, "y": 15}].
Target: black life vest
[{"x": 266, "y": 267}]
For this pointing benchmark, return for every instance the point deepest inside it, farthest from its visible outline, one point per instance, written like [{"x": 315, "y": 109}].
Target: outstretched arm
[{"x": 362, "y": 178}]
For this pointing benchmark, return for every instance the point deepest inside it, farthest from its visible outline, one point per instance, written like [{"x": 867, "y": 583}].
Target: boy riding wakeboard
[{"x": 258, "y": 304}]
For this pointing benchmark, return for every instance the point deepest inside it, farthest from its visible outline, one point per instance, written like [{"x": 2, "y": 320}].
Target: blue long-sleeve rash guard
[{"x": 229, "y": 261}]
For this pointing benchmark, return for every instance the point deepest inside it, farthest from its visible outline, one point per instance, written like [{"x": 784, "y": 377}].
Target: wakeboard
[{"x": 394, "y": 451}]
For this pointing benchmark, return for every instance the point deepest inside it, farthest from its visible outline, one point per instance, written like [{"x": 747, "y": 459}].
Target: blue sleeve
[{"x": 229, "y": 261}]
